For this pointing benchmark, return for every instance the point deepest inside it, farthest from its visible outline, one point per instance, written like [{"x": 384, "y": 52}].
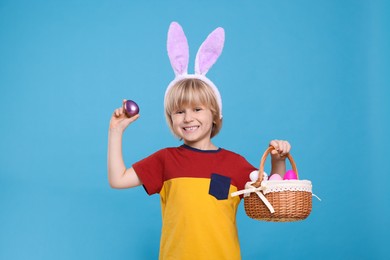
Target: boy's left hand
[{"x": 282, "y": 148}]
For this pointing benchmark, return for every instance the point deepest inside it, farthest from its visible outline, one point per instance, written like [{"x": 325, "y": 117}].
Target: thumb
[{"x": 129, "y": 120}]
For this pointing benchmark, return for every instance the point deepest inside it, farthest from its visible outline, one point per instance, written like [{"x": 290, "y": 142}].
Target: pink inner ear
[
  {"x": 177, "y": 47},
  {"x": 209, "y": 51}
]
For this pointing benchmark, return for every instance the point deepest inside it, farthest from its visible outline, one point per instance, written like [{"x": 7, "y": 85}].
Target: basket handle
[{"x": 262, "y": 162}]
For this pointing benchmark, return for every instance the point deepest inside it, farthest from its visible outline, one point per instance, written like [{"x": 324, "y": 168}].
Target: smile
[{"x": 190, "y": 128}]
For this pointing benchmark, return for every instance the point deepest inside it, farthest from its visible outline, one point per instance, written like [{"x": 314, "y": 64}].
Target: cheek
[
  {"x": 174, "y": 127},
  {"x": 175, "y": 121}
]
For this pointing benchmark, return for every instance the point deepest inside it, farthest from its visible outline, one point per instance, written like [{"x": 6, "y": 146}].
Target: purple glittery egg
[{"x": 131, "y": 108}]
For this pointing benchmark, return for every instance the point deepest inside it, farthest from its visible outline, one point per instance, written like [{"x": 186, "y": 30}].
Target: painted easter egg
[
  {"x": 254, "y": 175},
  {"x": 275, "y": 177},
  {"x": 290, "y": 175},
  {"x": 131, "y": 108}
]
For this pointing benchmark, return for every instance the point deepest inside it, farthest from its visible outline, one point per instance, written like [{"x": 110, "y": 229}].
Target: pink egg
[
  {"x": 290, "y": 175},
  {"x": 275, "y": 177}
]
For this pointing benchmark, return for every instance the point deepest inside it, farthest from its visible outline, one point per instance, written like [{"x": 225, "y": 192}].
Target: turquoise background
[{"x": 313, "y": 72}]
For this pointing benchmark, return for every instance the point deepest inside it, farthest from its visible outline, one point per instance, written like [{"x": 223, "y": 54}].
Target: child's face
[{"x": 193, "y": 123}]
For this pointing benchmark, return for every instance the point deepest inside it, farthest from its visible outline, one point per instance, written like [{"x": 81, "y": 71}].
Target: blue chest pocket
[{"x": 219, "y": 186}]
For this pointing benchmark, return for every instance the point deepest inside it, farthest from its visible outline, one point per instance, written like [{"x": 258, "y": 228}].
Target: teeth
[{"x": 190, "y": 128}]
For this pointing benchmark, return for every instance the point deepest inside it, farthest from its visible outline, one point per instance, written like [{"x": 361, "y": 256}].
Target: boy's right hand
[{"x": 119, "y": 120}]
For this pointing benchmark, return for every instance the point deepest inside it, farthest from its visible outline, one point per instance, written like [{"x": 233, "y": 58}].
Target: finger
[
  {"x": 119, "y": 112},
  {"x": 116, "y": 112},
  {"x": 129, "y": 120},
  {"x": 276, "y": 150},
  {"x": 133, "y": 118},
  {"x": 288, "y": 147},
  {"x": 283, "y": 148},
  {"x": 274, "y": 144}
]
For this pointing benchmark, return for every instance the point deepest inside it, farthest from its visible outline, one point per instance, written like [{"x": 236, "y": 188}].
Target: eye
[
  {"x": 178, "y": 112},
  {"x": 197, "y": 109}
]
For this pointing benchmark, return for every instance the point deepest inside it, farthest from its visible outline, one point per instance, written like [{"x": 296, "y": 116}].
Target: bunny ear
[
  {"x": 177, "y": 47},
  {"x": 209, "y": 51}
]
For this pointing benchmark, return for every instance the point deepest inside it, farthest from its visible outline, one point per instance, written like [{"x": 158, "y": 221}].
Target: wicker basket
[{"x": 285, "y": 201}]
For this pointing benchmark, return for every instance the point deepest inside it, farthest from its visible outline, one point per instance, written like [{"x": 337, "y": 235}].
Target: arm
[
  {"x": 118, "y": 176},
  {"x": 278, "y": 156}
]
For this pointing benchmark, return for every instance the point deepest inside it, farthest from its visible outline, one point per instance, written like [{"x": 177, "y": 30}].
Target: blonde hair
[{"x": 192, "y": 91}]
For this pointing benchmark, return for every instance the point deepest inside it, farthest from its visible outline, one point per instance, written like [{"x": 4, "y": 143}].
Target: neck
[{"x": 205, "y": 147}]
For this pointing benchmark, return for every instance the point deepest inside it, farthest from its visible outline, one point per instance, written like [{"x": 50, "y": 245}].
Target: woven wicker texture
[{"x": 289, "y": 205}]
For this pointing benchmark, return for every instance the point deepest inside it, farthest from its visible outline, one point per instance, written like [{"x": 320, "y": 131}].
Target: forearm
[
  {"x": 116, "y": 165},
  {"x": 278, "y": 166}
]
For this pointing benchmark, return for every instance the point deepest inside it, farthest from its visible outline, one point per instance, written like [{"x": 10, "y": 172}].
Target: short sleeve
[
  {"x": 244, "y": 168},
  {"x": 151, "y": 171}
]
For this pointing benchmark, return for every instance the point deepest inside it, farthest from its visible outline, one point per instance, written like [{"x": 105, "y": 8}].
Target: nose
[{"x": 188, "y": 116}]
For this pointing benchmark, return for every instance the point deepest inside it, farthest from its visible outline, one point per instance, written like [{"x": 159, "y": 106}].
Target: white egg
[{"x": 254, "y": 175}]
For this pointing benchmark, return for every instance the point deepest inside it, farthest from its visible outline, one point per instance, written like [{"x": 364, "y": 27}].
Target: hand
[
  {"x": 119, "y": 120},
  {"x": 282, "y": 148}
]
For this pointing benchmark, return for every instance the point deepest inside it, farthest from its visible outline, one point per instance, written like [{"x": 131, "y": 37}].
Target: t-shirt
[{"x": 198, "y": 213}]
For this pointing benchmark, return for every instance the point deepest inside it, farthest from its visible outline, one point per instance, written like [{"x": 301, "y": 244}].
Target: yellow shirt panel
[{"x": 196, "y": 225}]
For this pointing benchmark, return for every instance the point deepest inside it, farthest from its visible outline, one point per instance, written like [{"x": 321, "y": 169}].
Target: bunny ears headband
[{"x": 207, "y": 55}]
